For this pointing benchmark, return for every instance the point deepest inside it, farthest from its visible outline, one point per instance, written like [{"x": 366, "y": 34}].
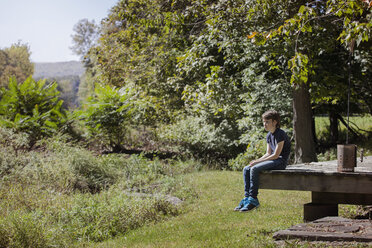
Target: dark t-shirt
[{"x": 274, "y": 138}]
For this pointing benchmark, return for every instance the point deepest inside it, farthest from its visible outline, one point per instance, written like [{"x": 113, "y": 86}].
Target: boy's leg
[
  {"x": 247, "y": 180},
  {"x": 255, "y": 172}
]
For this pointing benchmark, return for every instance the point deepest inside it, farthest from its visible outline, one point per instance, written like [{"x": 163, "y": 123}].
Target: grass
[
  {"x": 363, "y": 124},
  {"x": 62, "y": 195},
  {"x": 209, "y": 220}
]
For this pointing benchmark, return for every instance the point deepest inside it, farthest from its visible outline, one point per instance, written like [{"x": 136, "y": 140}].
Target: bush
[
  {"x": 254, "y": 151},
  {"x": 69, "y": 168},
  {"x": 59, "y": 219},
  {"x": 27, "y": 231},
  {"x": 107, "y": 115},
  {"x": 32, "y": 107},
  {"x": 196, "y": 137}
]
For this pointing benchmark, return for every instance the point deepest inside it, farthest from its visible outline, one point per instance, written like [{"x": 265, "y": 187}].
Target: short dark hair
[{"x": 272, "y": 115}]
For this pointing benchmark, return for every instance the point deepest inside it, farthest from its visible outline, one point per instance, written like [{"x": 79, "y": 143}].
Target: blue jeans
[{"x": 251, "y": 174}]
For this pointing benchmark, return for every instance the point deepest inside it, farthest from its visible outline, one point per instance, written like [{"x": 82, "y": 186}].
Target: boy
[{"x": 276, "y": 158}]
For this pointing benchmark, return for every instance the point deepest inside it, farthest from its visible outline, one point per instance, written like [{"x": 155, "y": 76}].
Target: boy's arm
[{"x": 268, "y": 155}]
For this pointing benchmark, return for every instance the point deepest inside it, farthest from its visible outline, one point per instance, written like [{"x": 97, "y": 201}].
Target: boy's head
[{"x": 272, "y": 115}]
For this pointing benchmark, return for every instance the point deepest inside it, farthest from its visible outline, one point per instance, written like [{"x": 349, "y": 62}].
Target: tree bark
[
  {"x": 302, "y": 125},
  {"x": 333, "y": 127}
]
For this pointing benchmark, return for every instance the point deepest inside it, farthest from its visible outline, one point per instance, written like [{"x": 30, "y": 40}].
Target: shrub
[
  {"x": 107, "y": 114},
  {"x": 254, "y": 151},
  {"x": 69, "y": 167},
  {"x": 196, "y": 137},
  {"x": 32, "y": 107},
  {"x": 26, "y": 230}
]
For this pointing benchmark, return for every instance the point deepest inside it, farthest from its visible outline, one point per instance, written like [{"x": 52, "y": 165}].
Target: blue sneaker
[
  {"x": 250, "y": 204},
  {"x": 241, "y": 204}
]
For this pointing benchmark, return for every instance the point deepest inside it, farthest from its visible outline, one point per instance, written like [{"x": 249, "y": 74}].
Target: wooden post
[{"x": 346, "y": 158}]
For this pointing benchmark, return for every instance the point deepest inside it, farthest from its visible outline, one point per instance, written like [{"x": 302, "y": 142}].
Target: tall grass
[
  {"x": 209, "y": 220},
  {"x": 61, "y": 194}
]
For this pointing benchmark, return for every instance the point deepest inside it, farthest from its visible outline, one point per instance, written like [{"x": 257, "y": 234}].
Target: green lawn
[
  {"x": 364, "y": 123},
  {"x": 209, "y": 221}
]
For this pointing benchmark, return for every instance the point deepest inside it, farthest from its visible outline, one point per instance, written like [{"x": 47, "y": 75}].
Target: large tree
[
  {"x": 84, "y": 38},
  {"x": 191, "y": 58},
  {"x": 313, "y": 29},
  {"x": 139, "y": 45},
  {"x": 15, "y": 62}
]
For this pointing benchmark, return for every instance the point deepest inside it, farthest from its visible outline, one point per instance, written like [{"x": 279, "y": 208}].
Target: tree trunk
[
  {"x": 333, "y": 127},
  {"x": 302, "y": 125}
]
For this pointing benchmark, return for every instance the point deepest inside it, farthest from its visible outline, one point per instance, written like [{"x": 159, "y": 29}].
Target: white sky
[{"x": 47, "y": 25}]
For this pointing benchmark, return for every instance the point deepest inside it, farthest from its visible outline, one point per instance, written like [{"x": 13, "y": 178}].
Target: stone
[{"x": 329, "y": 229}]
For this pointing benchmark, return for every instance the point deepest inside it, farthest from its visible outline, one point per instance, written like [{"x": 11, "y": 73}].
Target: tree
[
  {"x": 312, "y": 27},
  {"x": 15, "y": 62},
  {"x": 193, "y": 60},
  {"x": 227, "y": 80},
  {"x": 139, "y": 45},
  {"x": 85, "y": 37}
]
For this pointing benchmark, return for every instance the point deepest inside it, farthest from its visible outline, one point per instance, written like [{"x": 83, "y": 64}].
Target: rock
[{"x": 175, "y": 201}]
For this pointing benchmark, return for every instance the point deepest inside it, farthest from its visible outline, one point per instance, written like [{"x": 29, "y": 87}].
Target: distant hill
[{"x": 58, "y": 69}]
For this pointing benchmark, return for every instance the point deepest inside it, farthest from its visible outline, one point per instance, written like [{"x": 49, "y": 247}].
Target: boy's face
[{"x": 269, "y": 125}]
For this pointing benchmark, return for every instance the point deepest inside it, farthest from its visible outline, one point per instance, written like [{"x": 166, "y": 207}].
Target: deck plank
[{"x": 320, "y": 177}]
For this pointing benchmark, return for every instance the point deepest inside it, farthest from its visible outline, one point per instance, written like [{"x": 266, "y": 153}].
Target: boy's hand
[{"x": 252, "y": 163}]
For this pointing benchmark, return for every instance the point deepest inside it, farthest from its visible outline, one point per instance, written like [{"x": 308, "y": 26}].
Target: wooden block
[
  {"x": 341, "y": 198},
  {"x": 317, "y": 181},
  {"x": 314, "y": 211}
]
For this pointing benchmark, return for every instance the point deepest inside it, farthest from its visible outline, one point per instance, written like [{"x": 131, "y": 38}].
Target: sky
[{"x": 46, "y": 26}]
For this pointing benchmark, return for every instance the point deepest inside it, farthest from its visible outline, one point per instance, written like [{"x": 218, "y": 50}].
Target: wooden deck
[{"x": 329, "y": 187}]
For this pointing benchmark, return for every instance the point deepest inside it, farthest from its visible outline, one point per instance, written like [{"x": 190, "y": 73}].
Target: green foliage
[
  {"x": 227, "y": 81},
  {"x": 15, "y": 62},
  {"x": 196, "y": 137},
  {"x": 139, "y": 45},
  {"x": 101, "y": 217},
  {"x": 108, "y": 114},
  {"x": 32, "y": 107},
  {"x": 317, "y": 30},
  {"x": 85, "y": 37},
  {"x": 254, "y": 151},
  {"x": 299, "y": 68},
  {"x": 27, "y": 231},
  {"x": 62, "y": 194},
  {"x": 69, "y": 87},
  {"x": 193, "y": 58}
]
